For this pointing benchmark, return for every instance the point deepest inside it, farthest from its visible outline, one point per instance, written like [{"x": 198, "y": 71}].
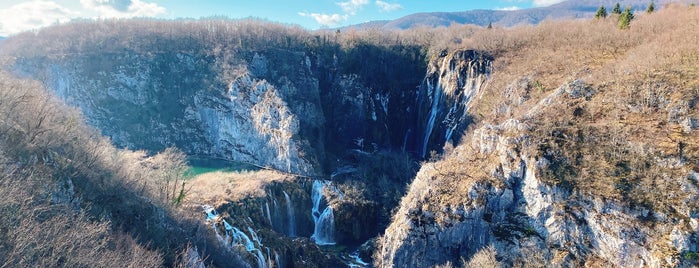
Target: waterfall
[
  {"x": 235, "y": 236},
  {"x": 405, "y": 140},
  {"x": 276, "y": 215},
  {"x": 356, "y": 261},
  {"x": 269, "y": 216},
  {"x": 276, "y": 260},
  {"x": 455, "y": 85},
  {"x": 290, "y": 214},
  {"x": 434, "y": 109},
  {"x": 324, "y": 230}
]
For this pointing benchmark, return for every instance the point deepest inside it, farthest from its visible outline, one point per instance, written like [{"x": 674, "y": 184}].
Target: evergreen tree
[
  {"x": 617, "y": 9},
  {"x": 625, "y": 18},
  {"x": 601, "y": 13},
  {"x": 650, "y": 8}
]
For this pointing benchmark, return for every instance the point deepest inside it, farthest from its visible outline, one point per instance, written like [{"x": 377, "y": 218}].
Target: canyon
[{"x": 393, "y": 153}]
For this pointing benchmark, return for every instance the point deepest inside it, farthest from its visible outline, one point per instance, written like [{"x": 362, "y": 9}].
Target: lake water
[{"x": 198, "y": 166}]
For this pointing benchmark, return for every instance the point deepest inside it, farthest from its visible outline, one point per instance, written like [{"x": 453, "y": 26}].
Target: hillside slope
[
  {"x": 570, "y": 143},
  {"x": 585, "y": 153},
  {"x": 572, "y": 9},
  {"x": 70, "y": 199}
]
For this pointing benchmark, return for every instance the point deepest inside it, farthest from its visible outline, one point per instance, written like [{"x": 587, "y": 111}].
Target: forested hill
[{"x": 571, "y": 9}]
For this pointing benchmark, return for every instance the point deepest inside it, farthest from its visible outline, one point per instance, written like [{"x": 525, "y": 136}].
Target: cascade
[
  {"x": 324, "y": 230},
  {"x": 449, "y": 91},
  {"x": 434, "y": 108},
  {"x": 356, "y": 261},
  {"x": 435, "y": 98},
  {"x": 269, "y": 216},
  {"x": 290, "y": 214},
  {"x": 276, "y": 260},
  {"x": 235, "y": 236},
  {"x": 275, "y": 214}
]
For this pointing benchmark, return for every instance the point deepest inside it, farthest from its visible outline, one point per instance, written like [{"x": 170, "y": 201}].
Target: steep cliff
[
  {"x": 504, "y": 200},
  {"x": 579, "y": 157},
  {"x": 152, "y": 101},
  {"x": 296, "y": 103}
]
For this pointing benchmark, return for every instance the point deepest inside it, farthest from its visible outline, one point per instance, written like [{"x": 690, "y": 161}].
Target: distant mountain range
[{"x": 564, "y": 10}]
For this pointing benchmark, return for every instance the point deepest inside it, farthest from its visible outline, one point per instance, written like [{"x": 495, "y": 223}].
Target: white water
[
  {"x": 324, "y": 229},
  {"x": 356, "y": 261},
  {"x": 276, "y": 260},
  {"x": 235, "y": 236},
  {"x": 269, "y": 216},
  {"x": 446, "y": 85},
  {"x": 290, "y": 214},
  {"x": 436, "y": 91}
]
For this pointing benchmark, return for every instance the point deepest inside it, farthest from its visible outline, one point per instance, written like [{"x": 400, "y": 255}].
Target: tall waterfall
[
  {"x": 434, "y": 108},
  {"x": 324, "y": 230},
  {"x": 450, "y": 85},
  {"x": 290, "y": 215}
]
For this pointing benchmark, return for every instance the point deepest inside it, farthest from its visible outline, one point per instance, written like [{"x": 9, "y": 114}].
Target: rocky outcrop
[
  {"x": 450, "y": 214},
  {"x": 294, "y": 111}
]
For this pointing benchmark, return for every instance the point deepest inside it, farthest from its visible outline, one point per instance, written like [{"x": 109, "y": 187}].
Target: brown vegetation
[
  {"x": 70, "y": 199},
  {"x": 217, "y": 188},
  {"x": 624, "y": 140}
]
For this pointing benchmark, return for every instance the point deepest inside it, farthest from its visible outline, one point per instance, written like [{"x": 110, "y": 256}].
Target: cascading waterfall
[
  {"x": 324, "y": 230},
  {"x": 235, "y": 236},
  {"x": 267, "y": 213},
  {"x": 290, "y": 214},
  {"x": 276, "y": 259},
  {"x": 275, "y": 215},
  {"x": 455, "y": 85},
  {"x": 435, "y": 98}
]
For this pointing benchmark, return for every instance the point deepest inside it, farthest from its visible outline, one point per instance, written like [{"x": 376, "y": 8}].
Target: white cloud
[
  {"x": 388, "y": 7},
  {"x": 543, "y": 3},
  {"x": 352, "y": 6},
  {"x": 123, "y": 8},
  {"x": 512, "y": 8},
  {"x": 326, "y": 19},
  {"x": 32, "y": 15}
]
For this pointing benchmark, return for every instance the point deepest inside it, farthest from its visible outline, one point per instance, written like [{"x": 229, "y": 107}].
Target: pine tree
[
  {"x": 617, "y": 9},
  {"x": 650, "y": 8},
  {"x": 625, "y": 18},
  {"x": 601, "y": 13}
]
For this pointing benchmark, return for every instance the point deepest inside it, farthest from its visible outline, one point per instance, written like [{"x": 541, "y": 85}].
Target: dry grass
[
  {"x": 71, "y": 199},
  {"x": 558, "y": 51},
  {"x": 218, "y": 188},
  {"x": 621, "y": 143}
]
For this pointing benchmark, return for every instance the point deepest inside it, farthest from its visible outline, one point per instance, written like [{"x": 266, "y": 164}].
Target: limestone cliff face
[
  {"x": 452, "y": 81},
  {"x": 283, "y": 109},
  {"x": 503, "y": 201},
  {"x": 176, "y": 99},
  {"x": 280, "y": 108}
]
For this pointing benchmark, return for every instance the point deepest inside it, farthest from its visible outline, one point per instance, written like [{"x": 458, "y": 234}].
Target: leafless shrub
[{"x": 484, "y": 258}]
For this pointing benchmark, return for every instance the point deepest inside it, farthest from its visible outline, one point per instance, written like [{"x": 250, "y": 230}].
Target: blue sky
[{"x": 22, "y": 15}]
